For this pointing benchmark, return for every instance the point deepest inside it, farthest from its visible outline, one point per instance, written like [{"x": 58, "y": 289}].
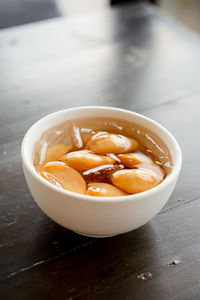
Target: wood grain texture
[{"x": 134, "y": 58}]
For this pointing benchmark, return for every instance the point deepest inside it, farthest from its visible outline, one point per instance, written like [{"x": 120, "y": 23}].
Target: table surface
[{"x": 131, "y": 57}]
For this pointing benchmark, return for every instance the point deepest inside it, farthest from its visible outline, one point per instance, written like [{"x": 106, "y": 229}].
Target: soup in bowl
[{"x": 100, "y": 171}]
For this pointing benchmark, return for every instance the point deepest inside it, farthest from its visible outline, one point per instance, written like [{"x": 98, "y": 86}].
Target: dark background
[{"x": 17, "y": 12}]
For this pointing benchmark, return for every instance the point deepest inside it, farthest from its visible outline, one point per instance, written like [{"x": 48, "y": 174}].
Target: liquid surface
[{"x": 102, "y": 157}]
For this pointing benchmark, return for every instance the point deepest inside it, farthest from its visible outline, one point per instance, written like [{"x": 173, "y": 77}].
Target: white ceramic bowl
[{"x": 98, "y": 216}]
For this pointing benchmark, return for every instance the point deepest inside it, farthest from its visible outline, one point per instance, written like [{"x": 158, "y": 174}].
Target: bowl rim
[{"x": 132, "y": 197}]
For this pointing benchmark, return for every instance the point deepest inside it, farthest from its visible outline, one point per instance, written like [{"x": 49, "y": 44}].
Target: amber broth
[{"x": 65, "y": 133}]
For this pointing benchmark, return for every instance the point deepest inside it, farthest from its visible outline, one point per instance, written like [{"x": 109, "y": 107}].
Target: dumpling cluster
[{"x": 100, "y": 164}]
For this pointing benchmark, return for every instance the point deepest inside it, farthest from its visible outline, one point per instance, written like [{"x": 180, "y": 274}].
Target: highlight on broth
[{"x": 102, "y": 157}]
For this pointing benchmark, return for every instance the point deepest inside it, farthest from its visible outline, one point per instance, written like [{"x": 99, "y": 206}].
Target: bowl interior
[{"x": 35, "y": 132}]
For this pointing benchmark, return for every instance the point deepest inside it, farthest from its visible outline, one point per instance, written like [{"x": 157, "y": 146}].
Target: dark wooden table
[{"x": 131, "y": 57}]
